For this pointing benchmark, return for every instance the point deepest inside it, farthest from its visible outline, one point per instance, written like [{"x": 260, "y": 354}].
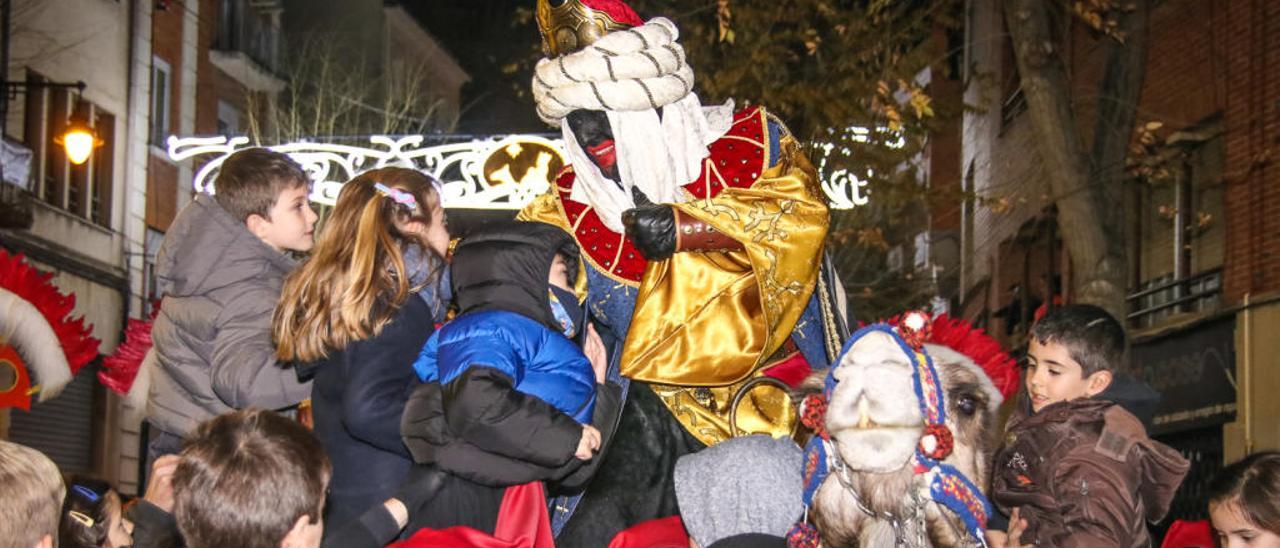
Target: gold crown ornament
[{"x": 574, "y": 25}]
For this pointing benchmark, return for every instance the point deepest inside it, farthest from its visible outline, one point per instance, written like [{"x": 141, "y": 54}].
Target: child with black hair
[
  {"x": 1076, "y": 468},
  {"x": 92, "y": 516}
]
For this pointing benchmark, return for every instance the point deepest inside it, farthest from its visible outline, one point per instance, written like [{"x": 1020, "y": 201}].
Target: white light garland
[
  {"x": 461, "y": 167},
  {"x": 505, "y": 172},
  {"x": 845, "y": 189}
]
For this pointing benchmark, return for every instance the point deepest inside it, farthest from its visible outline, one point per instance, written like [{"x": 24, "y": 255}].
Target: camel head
[{"x": 904, "y": 416}]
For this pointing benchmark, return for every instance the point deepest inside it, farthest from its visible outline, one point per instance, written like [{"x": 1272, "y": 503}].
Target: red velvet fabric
[
  {"x": 522, "y": 523},
  {"x": 617, "y": 9},
  {"x": 1189, "y": 534},
  {"x": 791, "y": 370},
  {"x": 657, "y": 533}
]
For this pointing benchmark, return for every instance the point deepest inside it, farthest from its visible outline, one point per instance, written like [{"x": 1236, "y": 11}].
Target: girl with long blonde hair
[{"x": 355, "y": 316}]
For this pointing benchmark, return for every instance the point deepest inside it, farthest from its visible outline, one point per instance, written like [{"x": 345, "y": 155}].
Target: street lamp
[{"x": 79, "y": 139}]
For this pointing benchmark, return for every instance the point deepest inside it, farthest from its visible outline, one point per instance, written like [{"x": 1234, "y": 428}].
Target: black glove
[
  {"x": 421, "y": 484},
  {"x": 652, "y": 228}
]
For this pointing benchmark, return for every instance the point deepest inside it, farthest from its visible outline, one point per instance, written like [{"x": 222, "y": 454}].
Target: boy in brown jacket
[{"x": 1076, "y": 468}]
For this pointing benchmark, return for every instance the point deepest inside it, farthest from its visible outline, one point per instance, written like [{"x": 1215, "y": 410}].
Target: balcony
[
  {"x": 1162, "y": 299},
  {"x": 15, "y": 207},
  {"x": 15, "y": 181},
  {"x": 247, "y": 46}
]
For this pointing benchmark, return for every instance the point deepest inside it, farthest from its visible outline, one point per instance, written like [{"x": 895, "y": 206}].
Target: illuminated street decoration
[
  {"x": 496, "y": 173},
  {"x": 499, "y": 173},
  {"x": 845, "y": 189}
]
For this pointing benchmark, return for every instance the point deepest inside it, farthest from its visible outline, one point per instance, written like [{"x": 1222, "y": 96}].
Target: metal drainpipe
[{"x": 1246, "y": 379}]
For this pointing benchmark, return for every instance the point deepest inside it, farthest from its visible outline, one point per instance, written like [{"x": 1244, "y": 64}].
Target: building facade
[
  {"x": 151, "y": 70},
  {"x": 84, "y": 223},
  {"x": 1203, "y": 226}
]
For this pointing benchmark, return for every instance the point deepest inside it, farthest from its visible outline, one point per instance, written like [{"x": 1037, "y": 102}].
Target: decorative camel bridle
[{"x": 947, "y": 485}]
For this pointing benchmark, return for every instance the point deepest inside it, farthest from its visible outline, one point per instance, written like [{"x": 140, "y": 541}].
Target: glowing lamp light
[{"x": 79, "y": 140}]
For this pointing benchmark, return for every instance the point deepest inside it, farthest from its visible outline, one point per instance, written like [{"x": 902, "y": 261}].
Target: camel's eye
[{"x": 967, "y": 404}]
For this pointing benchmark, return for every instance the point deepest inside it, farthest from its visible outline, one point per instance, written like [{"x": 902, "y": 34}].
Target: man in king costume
[{"x": 702, "y": 234}]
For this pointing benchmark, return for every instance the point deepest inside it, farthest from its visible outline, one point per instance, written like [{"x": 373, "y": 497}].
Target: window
[
  {"x": 103, "y": 160},
  {"x": 83, "y": 190},
  {"x": 150, "y": 280},
  {"x": 160, "y": 100},
  {"x": 1180, "y": 231},
  {"x": 228, "y": 119},
  {"x": 1013, "y": 102}
]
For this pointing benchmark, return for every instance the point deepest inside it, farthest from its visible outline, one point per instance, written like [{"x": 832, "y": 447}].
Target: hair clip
[
  {"x": 81, "y": 517},
  {"x": 399, "y": 196},
  {"x": 86, "y": 492}
]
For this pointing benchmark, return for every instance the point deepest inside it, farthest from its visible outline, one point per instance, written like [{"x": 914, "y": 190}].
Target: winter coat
[
  {"x": 540, "y": 362},
  {"x": 359, "y": 395},
  {"x": 505, "y": 393},
  {"x": 1084, "y": 473},
  {"x": 213, "y": 334}
]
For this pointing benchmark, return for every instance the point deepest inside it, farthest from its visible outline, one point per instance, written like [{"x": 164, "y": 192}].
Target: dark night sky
[{"x": 483, "y": 36}]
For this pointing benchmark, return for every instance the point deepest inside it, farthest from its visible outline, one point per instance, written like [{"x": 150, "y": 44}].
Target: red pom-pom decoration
[
  {"x": 803, "y": 535},
  {"x": 915, "y": 328},
  {"x": 813, "y": 414},
  {"x": 937, "y": 442}
]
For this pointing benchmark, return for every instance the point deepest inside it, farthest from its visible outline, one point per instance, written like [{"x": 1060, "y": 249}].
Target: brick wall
[
  {"x": 162, "y": 175},
  {"x": 206, "y": 73},
  {"x": 1251, "y": 37},
  {"x": 166, "y": 43},
  {"x": 1204, "y": 59}
]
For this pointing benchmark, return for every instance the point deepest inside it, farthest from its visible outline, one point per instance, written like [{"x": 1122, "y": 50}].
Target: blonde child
[{"x": 355, "y": 315}]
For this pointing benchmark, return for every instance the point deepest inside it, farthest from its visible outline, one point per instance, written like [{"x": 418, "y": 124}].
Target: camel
[{"x": 884, "y": 450}]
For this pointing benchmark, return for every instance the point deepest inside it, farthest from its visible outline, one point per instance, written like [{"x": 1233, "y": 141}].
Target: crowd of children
[{"x": 427, "y": 432}]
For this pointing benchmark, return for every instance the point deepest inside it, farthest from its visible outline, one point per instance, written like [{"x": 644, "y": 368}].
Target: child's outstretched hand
[
  {"x": 589, "y": 443},
  {"x": 593, "y": 347},
  {"x": 1011, "y": 538}
]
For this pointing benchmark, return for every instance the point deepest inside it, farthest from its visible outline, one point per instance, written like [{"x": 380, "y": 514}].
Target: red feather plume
[
  {"x": 959, "y": 335},
  {"x": 23, "y": 280},
  {"x": 120, "y": 369}
]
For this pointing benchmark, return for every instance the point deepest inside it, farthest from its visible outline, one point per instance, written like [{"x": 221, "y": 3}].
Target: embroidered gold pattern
[{"x": 770, "y": 231}]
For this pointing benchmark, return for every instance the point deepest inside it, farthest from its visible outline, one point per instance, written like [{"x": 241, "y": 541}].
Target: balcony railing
[
  {"x": 244, "y": 29},
  {"x": 1166, "y": 296},
  {"x": 15, "y": 207}
]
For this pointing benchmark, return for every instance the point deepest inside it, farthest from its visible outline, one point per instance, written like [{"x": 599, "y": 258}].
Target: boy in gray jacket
[{"x": 220, "y": 269}]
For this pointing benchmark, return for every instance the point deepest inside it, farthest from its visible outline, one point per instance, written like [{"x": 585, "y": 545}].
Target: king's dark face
[{"x": 591, "y": 129}]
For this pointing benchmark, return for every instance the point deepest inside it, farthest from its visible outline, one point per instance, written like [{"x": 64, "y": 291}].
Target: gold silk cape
[{"x": 705, "y": 323}]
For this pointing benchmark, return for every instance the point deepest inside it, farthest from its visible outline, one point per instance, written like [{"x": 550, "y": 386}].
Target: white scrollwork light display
[
  {"x": 495, "y": 173},
  {"x": 845, "y": 189}
]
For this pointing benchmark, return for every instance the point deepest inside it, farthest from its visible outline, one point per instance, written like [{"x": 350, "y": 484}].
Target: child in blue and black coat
[{"x": 508, "y": 396}]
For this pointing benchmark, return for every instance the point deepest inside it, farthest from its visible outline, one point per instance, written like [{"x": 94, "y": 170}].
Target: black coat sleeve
[
  {"x": 483, "y": 408},
  {"x": 427, "y": 435},
  {"x": 153, "y": 527},
  {"x": 605, "y": 418},
  {"x": 373, "y": 529}
]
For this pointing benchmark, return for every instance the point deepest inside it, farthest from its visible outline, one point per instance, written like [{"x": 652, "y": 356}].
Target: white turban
[{"x": 629, "y": 74}]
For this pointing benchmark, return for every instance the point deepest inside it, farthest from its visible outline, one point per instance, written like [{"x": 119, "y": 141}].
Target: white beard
[{"x": 656, "y": 156}]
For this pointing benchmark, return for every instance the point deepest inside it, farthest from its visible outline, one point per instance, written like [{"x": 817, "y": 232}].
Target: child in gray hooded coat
[
  {"x": 743, "y": 492},
  {"x": 221, "y": 268}
]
